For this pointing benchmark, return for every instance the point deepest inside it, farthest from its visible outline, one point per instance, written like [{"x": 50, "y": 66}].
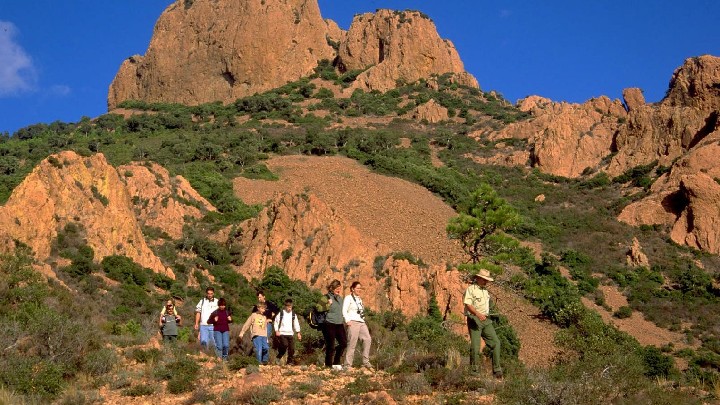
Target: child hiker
[{"x": 256, "y": 323}]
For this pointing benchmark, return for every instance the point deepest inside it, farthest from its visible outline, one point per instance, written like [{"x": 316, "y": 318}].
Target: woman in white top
[{"x": 354, "y": 316}]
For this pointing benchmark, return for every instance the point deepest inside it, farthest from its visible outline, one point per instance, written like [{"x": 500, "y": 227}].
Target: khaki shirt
[{"x": 478, "y": 297}]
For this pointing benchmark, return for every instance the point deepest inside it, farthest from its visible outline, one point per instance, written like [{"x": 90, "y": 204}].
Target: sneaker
[
  {"x": 369, "y": 367},
  {"x": 337, "y": 367}
]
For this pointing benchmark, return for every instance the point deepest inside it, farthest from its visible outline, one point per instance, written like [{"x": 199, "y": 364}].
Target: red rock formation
[
  {"x": 160, "y": 201},
  {"x": 635, "y": 256},
  {"x": 314, "y": 244},
  {"x": 398, "y": 45},
  {"x": 689, "y": 112},
  {"x": 69, "y": 188},
  {"x": 686, "y": 199},
  {"x": 566, "y": 138},
  {"x": 431, "y": 111},
  {"x": 224, "y": 50}
]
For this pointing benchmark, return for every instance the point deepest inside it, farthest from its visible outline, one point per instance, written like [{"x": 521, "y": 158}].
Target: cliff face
[
  {"x": 161, "y": 201},
  {"x": 687, "y": 199},
  {"x": 112, "y": 205},
  {"x": 398, "y": 45},
  {"x": 567, "y": 138},
  {"x": 688, "y": 113},
  {"x": 69, "y": 188},
  {"x": 221, "y": 50}
]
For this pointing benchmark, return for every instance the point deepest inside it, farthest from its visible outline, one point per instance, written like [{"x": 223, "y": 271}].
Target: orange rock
[
  {"x": 65, "y": 188},
  {"x": 224, "y": 50},
  {"x": 398, "y": 45}
]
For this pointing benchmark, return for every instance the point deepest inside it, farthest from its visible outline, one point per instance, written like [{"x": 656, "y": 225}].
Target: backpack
[
  {"x": 316, "y": 318},
  {"x": 281, "y": 315}
]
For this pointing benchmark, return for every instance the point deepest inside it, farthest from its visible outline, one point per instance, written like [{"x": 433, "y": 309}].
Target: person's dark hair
[
  {"x": 288, "y": 301},
  {"x": 333, "y": 285},
  {"x": 259, "y": 293},
  {"x": 354, "y": 284},
  {"x": 210, "y": 289},
  {"x": 222, "y": 302}
]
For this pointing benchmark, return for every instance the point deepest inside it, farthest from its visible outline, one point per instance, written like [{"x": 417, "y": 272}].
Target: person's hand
[
  {"x": 277, "y": 333},
  {"x": 197, "y": 327},
  {"x": 299, "y": 336},
  {"x": 229, "y": 318},
  {"x": 216, "y": 318},
  {"x": 177, "y": 318}
]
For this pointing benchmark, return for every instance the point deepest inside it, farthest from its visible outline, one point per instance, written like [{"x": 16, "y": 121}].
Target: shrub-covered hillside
[{"x": 93, "y": 337}]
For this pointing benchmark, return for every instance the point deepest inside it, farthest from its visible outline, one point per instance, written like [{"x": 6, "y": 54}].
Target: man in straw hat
[{"x": 477, "y": 310}]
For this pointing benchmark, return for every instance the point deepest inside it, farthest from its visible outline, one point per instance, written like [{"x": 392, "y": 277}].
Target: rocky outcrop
[
  {"x": 689, "y": 112},
  {"x": 68, "y": 188},
  {"x": 161, "y": 201},
  {"x": 432, "y": 112},
  {"x": 208, "y": 50},
  {"x": 687, "y": 199},
  {"x": 394, "y": 46},
  {"x": 567, "y": 138},
  {"x": 314, "y": 244},
  {"x": 635, "y": 256}
]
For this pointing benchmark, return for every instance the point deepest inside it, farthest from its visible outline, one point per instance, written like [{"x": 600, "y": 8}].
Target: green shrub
[
  {"x": 656, "y": 363},
  {"x": 261, "y": 395},
  {"x": 139, "y": 390},
  {"x": 239, "y": 362},
  {"x": 100, "y": 362},
  {"x": 125, "y": 270},
  {"x": 151, "y": 355},
  {"x": 411, "y": 384},
  {"x": 623, "y": 312},
  {"x": 183, "y": 375},
  {"x": 32, "y": 376}
]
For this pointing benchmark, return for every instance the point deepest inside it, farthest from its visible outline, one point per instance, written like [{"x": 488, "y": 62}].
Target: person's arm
[
  {"x": 276, "y": 324},
  {"x": 198, "y": 310},
  {"x": 474, "y": 311},
  {"x": 178, "y": 319},
  {"x": 346, "y": 309},
  {"x": 246, "y": 325},
  {"x": 213, "y": 317},
  {"x": 296, "y": 327}
]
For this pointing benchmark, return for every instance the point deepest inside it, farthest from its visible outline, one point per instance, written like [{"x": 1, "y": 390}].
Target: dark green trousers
[{"x": 483, "y": 330}]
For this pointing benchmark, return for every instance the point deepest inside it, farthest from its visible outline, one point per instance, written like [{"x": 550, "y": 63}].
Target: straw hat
[{"x": 484, "y": 274}]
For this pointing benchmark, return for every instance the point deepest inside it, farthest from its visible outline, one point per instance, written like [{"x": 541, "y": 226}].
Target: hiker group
[
  {"x": 342, "y": 324},
  {"x": 341, "y": 320}
]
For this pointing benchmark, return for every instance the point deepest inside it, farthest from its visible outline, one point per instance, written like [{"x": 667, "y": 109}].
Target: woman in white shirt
[{"x": 354, "y": 316}]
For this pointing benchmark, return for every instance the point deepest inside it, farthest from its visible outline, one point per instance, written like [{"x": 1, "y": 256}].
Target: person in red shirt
[{"x": 221, "y": 319}]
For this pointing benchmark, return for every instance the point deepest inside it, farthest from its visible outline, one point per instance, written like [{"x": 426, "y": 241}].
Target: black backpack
[{"x": 316, "y": 319}]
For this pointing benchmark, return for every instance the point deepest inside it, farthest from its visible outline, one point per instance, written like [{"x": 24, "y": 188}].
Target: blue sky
[{"x": 57, "y": 58}]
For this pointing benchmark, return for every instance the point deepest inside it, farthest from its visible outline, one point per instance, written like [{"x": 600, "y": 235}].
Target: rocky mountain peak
[
  {"x": 398, "y": 45},
  {"x": 209, "y": 50},
  {"x": 221, "y": 50},
  {"x": 696, "y": 84}
]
